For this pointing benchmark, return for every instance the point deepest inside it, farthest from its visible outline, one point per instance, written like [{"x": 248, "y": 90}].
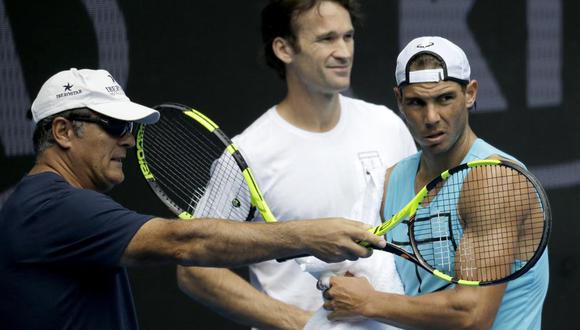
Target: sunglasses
[{"x": 114, "y": 127}]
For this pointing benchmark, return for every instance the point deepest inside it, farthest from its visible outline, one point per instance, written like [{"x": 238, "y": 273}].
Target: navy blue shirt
[{"x": 60, "y": 252}]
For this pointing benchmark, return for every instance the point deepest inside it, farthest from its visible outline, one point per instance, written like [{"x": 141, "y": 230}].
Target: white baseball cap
[
  {"x": 455, "y": 64},
  {"x": 93, "y": 89}
]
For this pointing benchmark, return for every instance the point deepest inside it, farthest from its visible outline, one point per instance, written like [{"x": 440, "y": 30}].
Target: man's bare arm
[
  {"x": 225, "y": 243},
  {"x": 457, "y": 308},
  {"x": 231, "y": 296}
]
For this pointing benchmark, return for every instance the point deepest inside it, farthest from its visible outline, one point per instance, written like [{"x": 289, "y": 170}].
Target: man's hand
[
  {"x": 335, "y": 239},
  {"x": 347, "y": 297}
]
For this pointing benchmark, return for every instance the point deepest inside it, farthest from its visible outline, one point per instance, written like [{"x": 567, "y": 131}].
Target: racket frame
[
  {"x": 256, "y": 197},
  {"x": 408, "y": 211}
]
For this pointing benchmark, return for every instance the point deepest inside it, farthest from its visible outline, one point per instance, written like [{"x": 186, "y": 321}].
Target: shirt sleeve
[{"x": 80, "y": 227}]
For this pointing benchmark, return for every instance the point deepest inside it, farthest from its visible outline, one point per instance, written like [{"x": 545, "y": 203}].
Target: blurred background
[{"x": 207, "y": 54}]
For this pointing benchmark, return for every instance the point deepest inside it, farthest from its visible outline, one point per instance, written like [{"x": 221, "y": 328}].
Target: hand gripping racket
[
  {"x": 195, "y": 169},
  {"x": 480, "y": 223}
]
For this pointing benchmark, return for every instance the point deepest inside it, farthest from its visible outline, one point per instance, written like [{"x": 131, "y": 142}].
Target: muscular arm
[
  {"x": 231, "y": 296},
  {"x": 457, "y": 308},
  {"x": 204, "y": 242}
]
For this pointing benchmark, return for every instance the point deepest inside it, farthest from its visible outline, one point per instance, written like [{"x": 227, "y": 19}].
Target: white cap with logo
[
  {"x": 455, "y": 64},
  {"x": 93, "y": 89}
]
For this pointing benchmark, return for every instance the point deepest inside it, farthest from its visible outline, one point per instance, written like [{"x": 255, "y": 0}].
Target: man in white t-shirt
[{"x": 312, "y": 155}]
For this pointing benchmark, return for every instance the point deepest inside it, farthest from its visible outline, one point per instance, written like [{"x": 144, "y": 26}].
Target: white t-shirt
[{"x": 306, "y": 175}]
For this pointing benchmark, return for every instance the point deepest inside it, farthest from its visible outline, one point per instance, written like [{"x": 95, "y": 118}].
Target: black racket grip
[{"x": 293, "y": 257}]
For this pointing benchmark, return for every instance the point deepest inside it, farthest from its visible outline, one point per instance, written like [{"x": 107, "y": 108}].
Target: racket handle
[{"x": 293, "y": 257}]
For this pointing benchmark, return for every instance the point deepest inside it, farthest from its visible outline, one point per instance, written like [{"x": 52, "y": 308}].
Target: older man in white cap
[
  {"x": 64, "y": 245},
  {"x": 435, "y": 93}
]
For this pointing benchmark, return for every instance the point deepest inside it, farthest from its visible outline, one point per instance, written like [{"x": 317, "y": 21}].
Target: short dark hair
[
  {"x": 42, "y": 138},
  {"x": 424, "y": 61},
  {"x": 278, "y": 21}
]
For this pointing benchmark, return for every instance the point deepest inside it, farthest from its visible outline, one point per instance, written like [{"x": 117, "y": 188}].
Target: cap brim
[{"x": 127, "y": 111}]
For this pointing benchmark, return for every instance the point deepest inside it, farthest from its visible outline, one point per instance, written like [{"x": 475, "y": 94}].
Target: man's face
[
  {"x": 97, "y": 157},
  {"x": 322, "y": 60},
  {"x": 436, "y": 113}
]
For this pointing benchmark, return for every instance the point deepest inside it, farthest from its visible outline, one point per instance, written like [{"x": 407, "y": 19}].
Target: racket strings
[
  {"x": 193, "y": 168},
  {"x": 166, "y": 160},
  {"x": 219, "y": 174},
  {"x": 493, "y": 226},
  {"x": 169, "y": 161}
]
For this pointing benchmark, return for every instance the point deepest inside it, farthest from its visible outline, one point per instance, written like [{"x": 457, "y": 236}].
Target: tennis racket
[
  {"x": 195, "y": 169},
  {"x": 481, "y": 223}
]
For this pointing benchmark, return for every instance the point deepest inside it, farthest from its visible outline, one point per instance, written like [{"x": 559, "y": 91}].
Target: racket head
[
  {"x": 194, "y": 168},
  {"x": 481, "y": 223}
]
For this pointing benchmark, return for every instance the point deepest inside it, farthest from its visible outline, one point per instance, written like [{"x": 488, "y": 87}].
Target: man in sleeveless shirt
[{"x": 435, "y": 95}]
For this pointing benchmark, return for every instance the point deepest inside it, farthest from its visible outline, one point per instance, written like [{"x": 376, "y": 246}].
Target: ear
[
  {"x": 283, "y": 50},
  {"x": 398, "y": 97},
  {"x": 471, "y": 93},
  {"x": 62, "y": 132}
]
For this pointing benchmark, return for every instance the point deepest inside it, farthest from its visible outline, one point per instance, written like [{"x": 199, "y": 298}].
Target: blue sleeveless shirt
[{"x": 521, "y": 305}]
